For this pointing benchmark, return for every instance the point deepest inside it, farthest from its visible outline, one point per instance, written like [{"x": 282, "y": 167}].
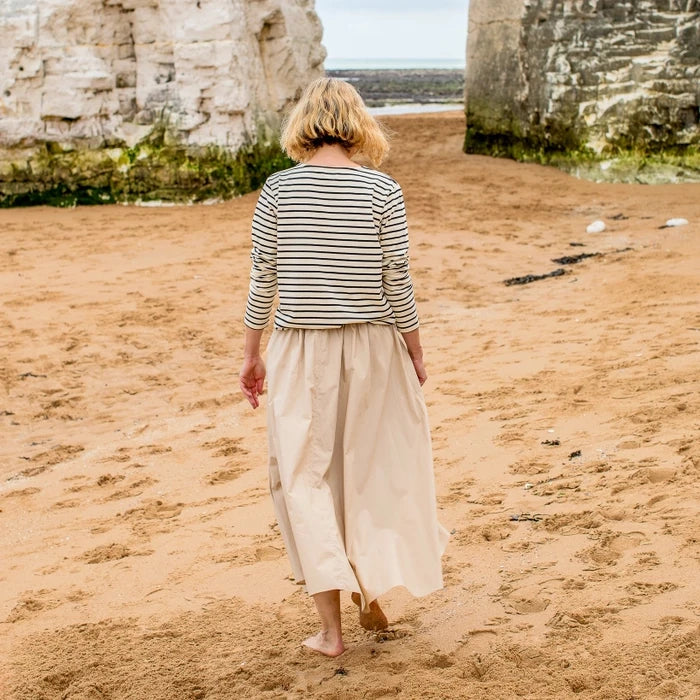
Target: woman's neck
[{"x": 331, "y": 154}]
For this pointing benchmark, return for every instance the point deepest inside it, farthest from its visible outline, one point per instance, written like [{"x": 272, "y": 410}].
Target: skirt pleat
[{"x": 351, "y": 472}]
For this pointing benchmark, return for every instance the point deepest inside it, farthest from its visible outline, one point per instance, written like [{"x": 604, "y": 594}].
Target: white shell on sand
[
  {"x": 676, "y": 222},
  {"x": 596, "y": 226}
]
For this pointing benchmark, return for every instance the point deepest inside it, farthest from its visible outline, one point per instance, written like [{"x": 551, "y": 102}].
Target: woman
[{"x": 349, "y": 446}]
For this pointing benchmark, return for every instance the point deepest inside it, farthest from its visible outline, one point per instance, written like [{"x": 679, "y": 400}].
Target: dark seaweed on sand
[{"x": 526, "y": 279}]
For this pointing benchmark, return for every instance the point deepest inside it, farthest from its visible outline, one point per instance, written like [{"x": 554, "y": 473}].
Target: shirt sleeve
[
  {"x": 396, "y": 279},
  {"x": 263, "y": 269}
]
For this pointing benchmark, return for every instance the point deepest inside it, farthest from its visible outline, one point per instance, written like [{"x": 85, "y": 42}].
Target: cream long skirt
[{"x": 351, "y": 472}]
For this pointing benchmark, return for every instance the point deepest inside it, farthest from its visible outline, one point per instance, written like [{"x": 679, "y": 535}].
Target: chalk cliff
[
  {"x": 589, "y": 77},
  {"x": 89, "y": 75}
]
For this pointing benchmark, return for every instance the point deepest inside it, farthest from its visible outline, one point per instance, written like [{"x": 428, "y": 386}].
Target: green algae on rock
[
  {"x": 647, "y": 168},
  {"x": 157, "y": 168},
  {"x": 674, "y": 164}
]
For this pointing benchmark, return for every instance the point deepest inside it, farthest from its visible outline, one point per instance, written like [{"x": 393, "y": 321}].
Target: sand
[{"x": 140, "y": 557}]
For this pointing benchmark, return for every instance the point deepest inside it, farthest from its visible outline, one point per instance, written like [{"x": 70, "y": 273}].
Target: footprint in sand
[
  {"x": 452, "y": 574},
  {"x": 121, "y": 455},
  {"x": 625, "y": 541},
  {"x": 224, "y": 475},
  {"x": 492, "y": 499},
  {"x": 524, "y": 604},
  {"x": 529, "y": 466},
  {"x": 109, "y": 479},
  {"x": 490, "y": 532},
  {"x": 110, "y": 552},
  {"x": 615, "y": 512},
  {"x": 206, "y": 514},
  {"x": 47, "y": 459},
  {"x": 558, "y": 487},
  {"x": 125, "y": 454},
  {"x": 251, "y": 555},
  {"x": 571, "y": 523},
  {"x": 251, "y": 496},
  {"x": 152, "y": 517},
  {"x": 56, "y": 408},
  {"x": 135, "y": 488},
  {"x": 391, "y": 635},
  {"x": 154, "y": 510},
  {"x": 523, "y": 545},
  {"x": 225, "y": 447},
  {"x": 582, "y": 617},
  {"x": 47, "y": 570},
  {"x": 68, "y": 503},
  {"x": 437, "y": 660},
  {"x": 495, "y": 621},
  {"x": 659, "y": 474},
  {"x": 19, "y": 493},
  {"x": 30, "y": 471},
  {"x": 87, "y": 483},
  {"x": 153, "y": 449},
  {"x": 641, "y": 589},
  {"x": 523, "y": 599},
  {"x": 459, "y": 493},
  {"x": 506, "y": 438},
  {"x": 32, "y": 602},
  {"x": 214, "y": 402},
  {"x": 76, "y": 595},
  {"x": 478, "y": 667},
  {"x": 58, "y": 454},
  {"x": 612, "y": 546},
  {"x": 646, "y": 560}
]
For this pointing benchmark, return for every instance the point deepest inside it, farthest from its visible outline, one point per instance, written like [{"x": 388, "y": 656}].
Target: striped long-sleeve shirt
[{"x": 333, "y": 242}]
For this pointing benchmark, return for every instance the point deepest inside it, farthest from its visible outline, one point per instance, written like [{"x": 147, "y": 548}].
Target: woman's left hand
[
  {"x": 420, "y": 370},
  {"x": 252, "y": 378}
]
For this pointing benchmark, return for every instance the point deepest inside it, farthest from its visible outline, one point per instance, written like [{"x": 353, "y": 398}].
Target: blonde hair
[{"x": 331, "y": 110}]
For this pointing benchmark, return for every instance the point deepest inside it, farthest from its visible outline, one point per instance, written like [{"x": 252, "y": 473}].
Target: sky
[{"x": 394, "y": 28}]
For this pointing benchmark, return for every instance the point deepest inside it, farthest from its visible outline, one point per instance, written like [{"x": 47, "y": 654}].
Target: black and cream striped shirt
[{"x": 333, "y": 242}]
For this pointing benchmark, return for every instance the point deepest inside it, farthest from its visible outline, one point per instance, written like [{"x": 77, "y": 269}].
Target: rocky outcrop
[
  {"x": 99, "y": 77},
  {"x": 588, "y": 78}
]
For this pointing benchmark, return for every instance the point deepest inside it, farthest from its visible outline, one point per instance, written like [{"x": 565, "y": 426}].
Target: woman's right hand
[{"x": 252, "y": 378}]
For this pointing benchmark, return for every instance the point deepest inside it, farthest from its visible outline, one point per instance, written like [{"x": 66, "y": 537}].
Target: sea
[
  {"x": 393, "y": 63},
  {"x": 401, "y": 64},
  {"x": 416, "y": 107}
]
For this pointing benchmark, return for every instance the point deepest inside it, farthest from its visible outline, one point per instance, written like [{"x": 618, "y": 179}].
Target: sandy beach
[{"x": 140, "y": 557}]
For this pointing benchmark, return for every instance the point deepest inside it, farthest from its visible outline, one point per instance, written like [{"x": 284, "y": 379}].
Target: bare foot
[
  {"x": 374, "y": 620},
  {"x": 324, "y": 644}
]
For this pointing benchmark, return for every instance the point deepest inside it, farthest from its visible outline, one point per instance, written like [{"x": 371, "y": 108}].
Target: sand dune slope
[{"x": 140, "y": 558}]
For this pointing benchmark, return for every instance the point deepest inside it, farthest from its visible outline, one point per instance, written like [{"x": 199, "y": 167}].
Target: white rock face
[
  {"x": 103, "y": 72},
  {"x": 604, "y": 76}
]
